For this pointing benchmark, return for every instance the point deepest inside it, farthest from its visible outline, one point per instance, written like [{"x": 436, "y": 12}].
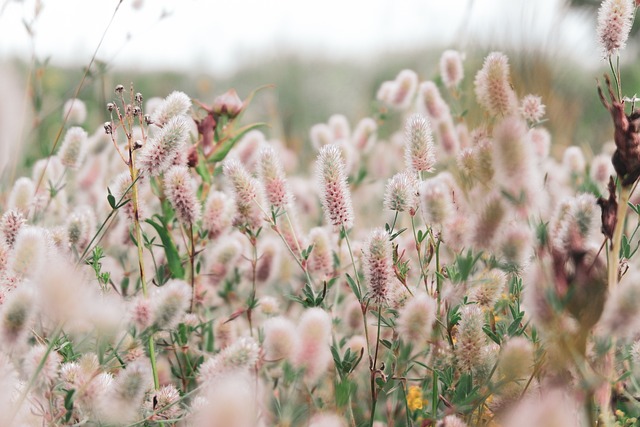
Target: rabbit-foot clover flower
[
  {"x": 615, "y": 18},
  {"x": 419, "y": 151},
  {"x": 378, "y": 264},
  {"x": 334, "y": 190},
  {"x": 180, "y": 191},
  {"x": 492, "y": 86}
]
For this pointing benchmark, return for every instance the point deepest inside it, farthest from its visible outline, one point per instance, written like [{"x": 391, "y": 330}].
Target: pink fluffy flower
[
  {"x": 273, "y": 179},
  {"x": 160, "y": 151},
  {"x": 245, "y": 188},
  {"x": 492, "y": 85},
  {"x": 179, "y": 189},
  {"x": 419, "y": 151},
  {"x": 615, "y": 18},
  {"x": 532, "y": 108},
  {"x": 334, "y": 191},
  {"x": 451, "y": 69},
  {"x": 378, "y": 264}
]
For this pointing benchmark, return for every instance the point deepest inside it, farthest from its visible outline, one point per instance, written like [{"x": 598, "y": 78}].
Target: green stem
[
  {"x": 154, "y": 367},
  {"x": 192, "y": 256},
  {"x": 374, "y": 368}
]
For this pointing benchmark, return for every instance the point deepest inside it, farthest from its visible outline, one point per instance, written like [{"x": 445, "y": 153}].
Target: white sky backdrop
[{"x": 219, "y": 36}]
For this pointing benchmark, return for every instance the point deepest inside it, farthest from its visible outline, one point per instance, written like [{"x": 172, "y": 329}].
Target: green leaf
[
  {"x": 170, "y": 249},
  {"x": 354, "y": 287}
]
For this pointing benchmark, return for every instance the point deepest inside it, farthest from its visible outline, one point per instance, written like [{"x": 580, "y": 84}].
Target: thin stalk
[
  {"x": 374, "y": 394},
  {"x": 254, "y": 264},
  {"x": 154, "y": 367},
  {"x": 614, "y": 253},
  {"x": 192, "y": 257}
]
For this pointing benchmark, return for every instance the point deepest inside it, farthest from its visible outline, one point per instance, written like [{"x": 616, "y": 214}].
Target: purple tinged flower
[
  {"x": 229, "y": 103},
  {"x": 401, "y": 193},
  {"x": 219, "y": 211},
  {"x": 334, "y": 191},
  {"x": 532, "y": 109}
]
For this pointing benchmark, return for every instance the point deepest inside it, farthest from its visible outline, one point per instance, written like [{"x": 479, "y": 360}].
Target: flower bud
[
  {"x": 532, "y": 109},
  {"x": 229, "y": 104}
]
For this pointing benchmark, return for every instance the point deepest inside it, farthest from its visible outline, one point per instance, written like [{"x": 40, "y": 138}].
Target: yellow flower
[{"x": 414, "y": 398}]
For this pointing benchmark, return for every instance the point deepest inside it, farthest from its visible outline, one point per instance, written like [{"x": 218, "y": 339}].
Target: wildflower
[
  {"x": 164, "y": 403},
  {"x": 406, "y": 83},
  {"x": 451, "y": 70},
  {"x": 229, "y": 104},
  {"x": 75, "y": 111},
  {"x": 436, "y": 203},
  {"x": 268, "y": 263},
  {"x": 470, "y": 338},
  {"x": 573, "y": 160},
  {"x": 357, "y": 344},
  {"x": 488, "y": 221},
  {"x": 222, "y": 259},
  {"x": 451, "y": 421},
  {"x": 22, "y": 195},
  {"x": 273, "y": 179},
  {"x": 492, "y": 86},
  {"x": 516, "y": 360},
  {"x": 615, "y": 18},
  {"x": 430, "y": 101},
  {"x": 174, "y": 105},
  {"x": 37, "y": 361},
  {"x": 378, "y": 264},
  {"x": 601, "y": 169},
  {"x": 280, "y": 339},
  {"x": 10, "y": 224},
  {"x": 416, "y": 318},
  {"x": 141, "y": 313},
  {"x": 339, "y": 126},
  {"x": 448, "y": 136},
  {"x": 516, "y": 243},
  {"x": 419, "y": 150},
  {"x": 512, "y": 157},
  {"x": 29, "y": 252},
  {"x": 237, "y": 358},
  {"x": 81, "y": 226},
  {"x": 122, "y": 401},
  {"x": 364, "y": 135},
  {"x": 229, "y": 402},
  {"x": 15, "y": 316},
  {"x": 245, "y": 189},
  {"x": 219, "y": 211},
  {"x": 161, "y": 150},
  {"x": 531, "y": 108},
  {"x": 401, "y": 193},
  {"x": 269, "y": 306},
  {"x": 179, "y": 189},
  {"x": 73, "y": 147},
  {"x": 621, "y": 316},
  {"x": 320, "y": 135},
  {"x": 415, "y": 399},
  {"x": 320, "y": 260},
  {"x": 170, "y": 302},
  {"x": 540, "y": 139},
  {"x": 489, "y": 288},
  {"x": 314, "y": 334},
  {"x": 327, "y": 419},
  {"x": 334, "y": 191}
]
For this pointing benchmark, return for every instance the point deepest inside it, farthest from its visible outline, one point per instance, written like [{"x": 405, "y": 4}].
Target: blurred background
[{"x": 322, "y": 58}]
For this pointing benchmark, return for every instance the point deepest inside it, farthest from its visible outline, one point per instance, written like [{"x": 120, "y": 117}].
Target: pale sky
[{"x": 218, "y": 36}]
